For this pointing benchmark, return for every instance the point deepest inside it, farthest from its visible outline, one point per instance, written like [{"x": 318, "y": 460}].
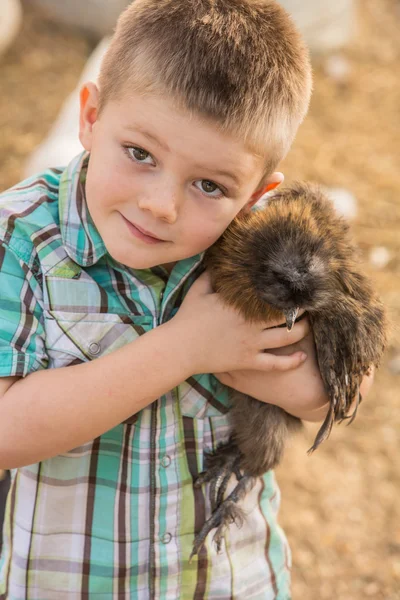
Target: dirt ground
[{"x": 340, "y": 507}]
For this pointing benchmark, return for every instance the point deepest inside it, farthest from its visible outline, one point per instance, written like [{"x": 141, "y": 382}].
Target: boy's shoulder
[{"x": 28, "y": 210}]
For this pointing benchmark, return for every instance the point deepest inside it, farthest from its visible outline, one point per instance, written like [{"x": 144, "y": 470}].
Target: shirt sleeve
[{"x": 22, "y": 341}]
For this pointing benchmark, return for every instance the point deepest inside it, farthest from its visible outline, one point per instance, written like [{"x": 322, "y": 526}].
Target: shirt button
[
  {"x": 94, "y": 348},
  {"x": 166, "y": 461},
  {"x": 166, "y": 538},
  {"x": 161, "y": 296}
]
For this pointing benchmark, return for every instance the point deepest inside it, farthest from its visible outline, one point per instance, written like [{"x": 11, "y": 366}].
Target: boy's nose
[{"x": 162, "y": 203}]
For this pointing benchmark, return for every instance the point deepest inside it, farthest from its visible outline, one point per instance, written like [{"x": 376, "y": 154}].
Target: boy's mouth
[{"x": 141, "y": 233}]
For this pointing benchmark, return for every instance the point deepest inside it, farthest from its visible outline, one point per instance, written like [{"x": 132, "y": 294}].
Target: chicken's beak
[{"x": 291, "y": 316}]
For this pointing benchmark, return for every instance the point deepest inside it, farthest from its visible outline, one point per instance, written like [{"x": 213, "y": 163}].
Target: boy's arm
[
  {"x": 299, "y": 391},
  {"x": 53, "y": 410}
]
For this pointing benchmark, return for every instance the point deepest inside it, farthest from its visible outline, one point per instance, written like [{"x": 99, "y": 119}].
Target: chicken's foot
[
  {"x": 226, "y": 513},
  {"x": 221, "y": 464}
]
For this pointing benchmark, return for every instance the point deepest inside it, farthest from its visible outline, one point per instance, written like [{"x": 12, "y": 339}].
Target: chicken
[{"x": 294, "y": 255}]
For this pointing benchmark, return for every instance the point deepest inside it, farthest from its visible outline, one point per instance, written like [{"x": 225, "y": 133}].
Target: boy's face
[{"x": 162, "y": 185}]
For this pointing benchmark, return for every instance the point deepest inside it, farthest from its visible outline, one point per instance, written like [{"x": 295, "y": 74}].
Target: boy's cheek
[{"x": 199, "y": 237}]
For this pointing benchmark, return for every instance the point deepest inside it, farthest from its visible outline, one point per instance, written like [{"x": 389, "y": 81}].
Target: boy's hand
[
  {"x": 218, "y": 338},
  {"x": 300, "y": 392}
]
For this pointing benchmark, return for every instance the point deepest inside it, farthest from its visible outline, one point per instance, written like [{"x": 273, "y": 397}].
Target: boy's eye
[
  {"x": 208, "y": 187},
  {"x": 139, "y": 155}
]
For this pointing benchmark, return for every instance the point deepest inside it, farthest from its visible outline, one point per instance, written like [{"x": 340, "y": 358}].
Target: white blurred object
[
  {"x": 337, "y": 67},
  {"x": 62, "y": 143},
  {"x": 326, "y": 26},
  {"x": 96, "y": 17},
  {"x": 394, "y": 365},
  {"x": 10, "y": 22},
  {"x": 379, "y": 257},
  {"x": 344, "y": 202}
]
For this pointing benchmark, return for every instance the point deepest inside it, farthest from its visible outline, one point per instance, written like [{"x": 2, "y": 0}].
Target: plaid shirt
[{"x": 116, "y": 517}]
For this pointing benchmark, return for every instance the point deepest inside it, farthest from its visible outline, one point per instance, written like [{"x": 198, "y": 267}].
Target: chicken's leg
[{"x": 221, "y": 464}]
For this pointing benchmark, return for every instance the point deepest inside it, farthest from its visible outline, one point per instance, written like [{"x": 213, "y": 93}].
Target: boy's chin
[
  {"x": 145, "y": 262},
  {"x": 139, "y": 265}
]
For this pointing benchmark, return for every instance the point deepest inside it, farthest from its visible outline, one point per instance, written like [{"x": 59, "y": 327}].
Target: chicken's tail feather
[{"x": 324, "y": 430}]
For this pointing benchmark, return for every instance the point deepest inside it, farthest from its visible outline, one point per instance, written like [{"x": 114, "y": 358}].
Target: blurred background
[{"x": 340, "y": 507}]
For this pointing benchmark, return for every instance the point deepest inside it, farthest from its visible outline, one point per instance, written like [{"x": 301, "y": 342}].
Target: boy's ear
[
  {"x": 273, "y": 181},
  {"x": 89, "y": 98}
]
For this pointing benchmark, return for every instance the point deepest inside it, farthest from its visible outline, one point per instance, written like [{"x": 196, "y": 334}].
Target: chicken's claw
[
  {"x": 221, "y": 464},
  {"x": 226, "y": 513}
]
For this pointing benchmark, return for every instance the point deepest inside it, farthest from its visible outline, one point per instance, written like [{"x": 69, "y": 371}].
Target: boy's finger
[
  {"x": 278, "y": 337},
  {"x": 272, "y": 362}
]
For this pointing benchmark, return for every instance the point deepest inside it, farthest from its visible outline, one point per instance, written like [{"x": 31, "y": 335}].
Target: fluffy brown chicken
[{"x": 294, "y": 255}]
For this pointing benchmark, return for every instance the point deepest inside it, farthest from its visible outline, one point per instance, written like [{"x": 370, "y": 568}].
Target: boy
[{"x": 198, "y": 101}]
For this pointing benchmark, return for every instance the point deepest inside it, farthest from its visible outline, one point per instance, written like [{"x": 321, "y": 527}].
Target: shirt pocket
[
  {"x": 74, "y": 337},
  {"x": 203, "y": 397}
]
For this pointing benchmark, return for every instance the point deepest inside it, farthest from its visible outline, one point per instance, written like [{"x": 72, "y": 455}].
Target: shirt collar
[{"x": 79, "y": 234}]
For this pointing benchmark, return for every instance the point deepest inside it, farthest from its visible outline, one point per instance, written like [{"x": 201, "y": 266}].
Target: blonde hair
[{"x": 241, "y": 63}]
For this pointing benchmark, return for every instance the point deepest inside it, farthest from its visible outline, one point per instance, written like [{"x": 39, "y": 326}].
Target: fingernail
[{"x": 303, "y": 356}]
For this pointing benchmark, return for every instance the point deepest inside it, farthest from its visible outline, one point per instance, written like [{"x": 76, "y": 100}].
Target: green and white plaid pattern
[{"x": 116, "y": 517}]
